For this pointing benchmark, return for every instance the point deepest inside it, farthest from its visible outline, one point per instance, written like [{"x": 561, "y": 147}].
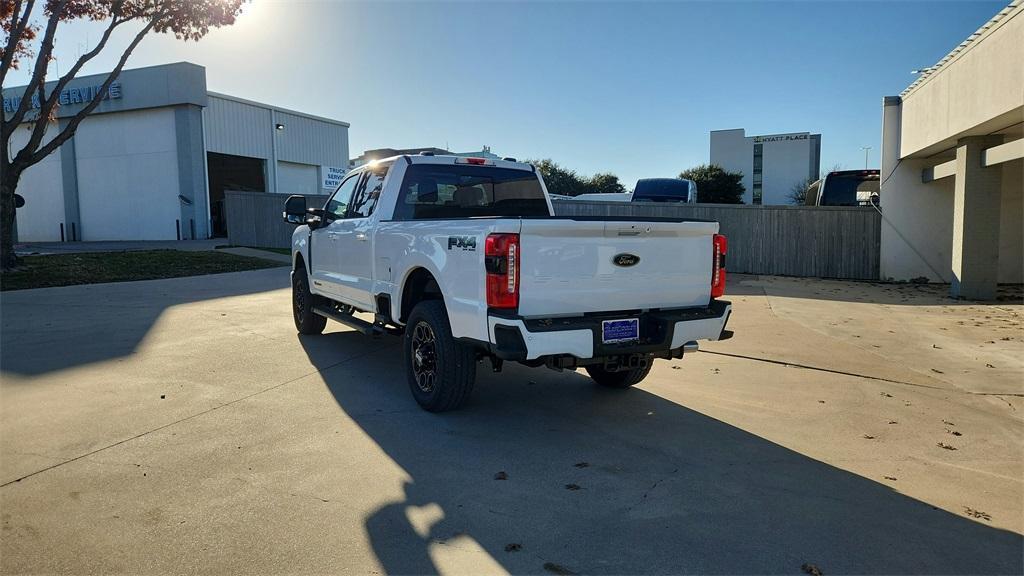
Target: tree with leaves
[
  {"x": 557, "y": 179},
  {"x": 568, "y": 183},
  {"x": 716, "y": 185},
  {"x": 29, "y": 36},
  {"x": 604, "y": 183}
]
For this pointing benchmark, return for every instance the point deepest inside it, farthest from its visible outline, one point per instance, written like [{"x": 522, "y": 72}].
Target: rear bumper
[{"x": 662, "y": 333}]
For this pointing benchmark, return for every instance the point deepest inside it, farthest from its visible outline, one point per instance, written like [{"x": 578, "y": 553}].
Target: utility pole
[{"x": 866, "y": 149}]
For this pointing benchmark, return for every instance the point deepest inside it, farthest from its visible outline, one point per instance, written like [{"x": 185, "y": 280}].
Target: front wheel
[
  {"x": 306, "y": 321},
  {"x": 441, "y": 370},
  {"x": 623, "y": 379}
]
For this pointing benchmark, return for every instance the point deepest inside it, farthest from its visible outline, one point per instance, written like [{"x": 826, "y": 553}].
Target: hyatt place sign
[
  {"x": 780, "y": 138},
  {"x": 80, "y": 95}
]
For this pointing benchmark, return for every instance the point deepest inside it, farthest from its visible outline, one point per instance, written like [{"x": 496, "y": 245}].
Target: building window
[{"x": 758, "y": 165}]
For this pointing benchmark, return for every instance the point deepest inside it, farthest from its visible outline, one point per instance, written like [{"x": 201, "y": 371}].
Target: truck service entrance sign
[{"x": 332, "y": 176}]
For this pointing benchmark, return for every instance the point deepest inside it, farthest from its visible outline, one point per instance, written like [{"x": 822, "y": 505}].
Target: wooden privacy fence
[
  {"x": 254, "y": 218},
  {"x": 823, "y": 242},
  {"x": 813, "y": 241}
]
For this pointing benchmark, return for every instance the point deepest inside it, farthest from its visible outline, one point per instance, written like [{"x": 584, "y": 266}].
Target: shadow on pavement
[
  {"x": 50, "y": 329},
  {"x": 662, "y": 488}
]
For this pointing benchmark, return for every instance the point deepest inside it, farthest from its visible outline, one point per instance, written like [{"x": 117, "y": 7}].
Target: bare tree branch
[
  {"x": 38, "y": 74},
  {"x": 18, "y": 26},
  {"x": 46, "y": 105},
  {"x": 31, "y": 158}
]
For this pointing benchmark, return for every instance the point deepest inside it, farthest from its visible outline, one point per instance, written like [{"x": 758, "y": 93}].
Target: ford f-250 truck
[{"x": 465, "y": 258}]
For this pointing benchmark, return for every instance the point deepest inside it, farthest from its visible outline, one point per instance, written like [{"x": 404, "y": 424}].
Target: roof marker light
[{"x": 473, "y": 160}]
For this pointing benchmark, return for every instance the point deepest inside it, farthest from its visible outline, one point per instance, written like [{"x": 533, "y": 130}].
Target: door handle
[
  {"x": 332, "y": 235},
  {"x": 361, "y": 236}
]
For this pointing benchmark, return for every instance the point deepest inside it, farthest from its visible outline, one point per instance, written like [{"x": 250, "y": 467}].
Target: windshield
[
  {"x": 462, "y": 191},
  {"x": 673, "y": 189},
  {"x": 849, "y": 189}
]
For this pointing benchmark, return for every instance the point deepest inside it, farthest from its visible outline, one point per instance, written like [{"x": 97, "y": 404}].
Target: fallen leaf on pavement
[
  {"x": 557, "y": 569},
  {"x": 977, "y": 513},
  {"x": 812, "y": 569}
]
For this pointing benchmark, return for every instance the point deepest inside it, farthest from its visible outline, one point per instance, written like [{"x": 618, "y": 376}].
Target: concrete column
[
  {"x": 892, "y": 116},
  {"x": 976, "y": 203},
  {"x": 192, "y": 181},
  {"x": 272, "y": 162},
  {"x": 69, "y": 184}
]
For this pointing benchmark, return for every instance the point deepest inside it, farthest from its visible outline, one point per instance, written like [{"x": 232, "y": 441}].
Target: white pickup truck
[{"x": 466, "y": 259}]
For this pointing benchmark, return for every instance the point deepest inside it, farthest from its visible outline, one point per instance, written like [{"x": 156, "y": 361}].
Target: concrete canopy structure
[
  {"x": 953, "y": 166},
  {"x": 153, "y": 161}
]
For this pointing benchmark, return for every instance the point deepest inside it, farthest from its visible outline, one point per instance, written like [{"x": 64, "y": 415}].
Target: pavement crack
[
  {"x": 1008, "y": 403},
  {"x": 768, "y": 299},
  {"x": 651, "y": 489},
  {"x": 831, "y": 371},
  {"x": 190, "y": 417},
  {"x": 868, "y": 376}
]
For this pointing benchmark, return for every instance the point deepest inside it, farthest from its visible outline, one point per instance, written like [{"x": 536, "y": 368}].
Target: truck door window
[
  {"x": 366, "y": 196},
  {"x": 337, "y": 204}
]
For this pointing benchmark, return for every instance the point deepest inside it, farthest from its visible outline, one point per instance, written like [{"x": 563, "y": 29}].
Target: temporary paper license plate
[{"x": 620, "y": 330}]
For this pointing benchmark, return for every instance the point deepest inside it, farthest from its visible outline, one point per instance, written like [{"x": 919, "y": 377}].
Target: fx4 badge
[
  {"x": 466, "y": 243},
  {"x": 625, "y": 260}
]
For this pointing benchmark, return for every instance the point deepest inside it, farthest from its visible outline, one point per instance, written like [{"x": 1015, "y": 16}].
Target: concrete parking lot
[{"x": 182, "y": 426}]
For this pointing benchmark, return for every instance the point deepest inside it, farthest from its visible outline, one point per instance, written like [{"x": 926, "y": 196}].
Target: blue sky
[{"x": 631, "y": 88}]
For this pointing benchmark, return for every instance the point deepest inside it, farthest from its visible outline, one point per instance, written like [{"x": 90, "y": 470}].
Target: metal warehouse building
[{"x": 155, "y": 158}]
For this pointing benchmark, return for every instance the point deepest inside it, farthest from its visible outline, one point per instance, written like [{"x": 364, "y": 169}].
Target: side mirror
[{"x": 295, "y": 210}]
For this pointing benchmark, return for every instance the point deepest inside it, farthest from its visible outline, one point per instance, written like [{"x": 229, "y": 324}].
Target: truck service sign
[
  {"x": 332, "y": 176},
  {"x": 68, "y": 96}
]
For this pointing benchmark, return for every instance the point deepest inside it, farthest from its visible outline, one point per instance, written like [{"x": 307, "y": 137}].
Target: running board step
[{"x": 351, "y": 321}]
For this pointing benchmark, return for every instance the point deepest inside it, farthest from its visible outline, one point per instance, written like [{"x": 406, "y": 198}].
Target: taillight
[
  {"x": 501, "y": 261},
  {"x": 720, "y": 247}
]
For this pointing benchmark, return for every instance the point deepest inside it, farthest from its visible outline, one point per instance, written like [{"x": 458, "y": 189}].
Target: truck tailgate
[{"x": 569, "y": 266}]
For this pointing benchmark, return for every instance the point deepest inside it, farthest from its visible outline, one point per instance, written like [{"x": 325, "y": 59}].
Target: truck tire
[
  {"x": 441, "y": 370},
  {"x": 306, "y": 321},
  {"x": 623, "y": 379}
]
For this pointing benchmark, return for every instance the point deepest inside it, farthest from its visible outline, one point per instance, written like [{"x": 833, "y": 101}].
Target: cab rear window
[{"x": 452, "y": 191}]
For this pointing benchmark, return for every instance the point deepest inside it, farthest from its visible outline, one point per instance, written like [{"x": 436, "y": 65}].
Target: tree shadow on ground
[
  {"x": 661, "y": 488},
  {"x": 51, "y": 329}
]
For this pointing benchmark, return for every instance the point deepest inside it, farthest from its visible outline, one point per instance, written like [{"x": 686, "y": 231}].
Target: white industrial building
[
  {"x": 953, "y": 166},
  {"x": 771, "y": 164},
  {"x": 155, "y": 158}
]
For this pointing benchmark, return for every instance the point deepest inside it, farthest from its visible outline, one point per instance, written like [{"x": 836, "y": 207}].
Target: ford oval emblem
[{"x": 625, "y": 260}]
